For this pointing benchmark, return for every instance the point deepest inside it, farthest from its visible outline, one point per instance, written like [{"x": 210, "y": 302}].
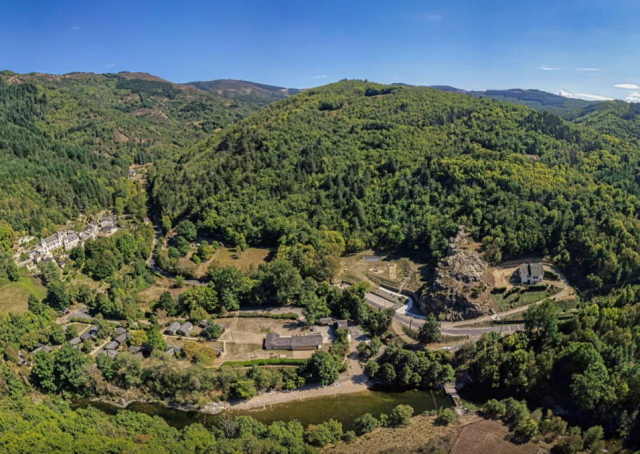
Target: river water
[{"x": 344, "y": 408}]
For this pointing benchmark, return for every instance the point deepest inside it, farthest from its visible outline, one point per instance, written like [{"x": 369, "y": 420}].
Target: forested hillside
[
  {"x": 241, "y": 89},
  {"x": 66, "y": 141},
  {"x": 537, "y": 99},
  {"x": 617, "y": 118},
  {"x": 404, "y": 166}
]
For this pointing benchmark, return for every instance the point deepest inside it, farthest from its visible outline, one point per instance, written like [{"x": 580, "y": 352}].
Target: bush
[
  {"x": 371, "y": 369},
  {"x": 244, "y": 389},
  {"x": 494, "y": 408},
  {"x": 515, "y": 412},
  {"x": 401, "y": 415},
  {"x": 325, "y": 433},
  {"x": 445, "y": 417},
  {"x": 349, "y": 436},
  {"x": 365, "y": 424},
  {"x": 526, "y": 429}
]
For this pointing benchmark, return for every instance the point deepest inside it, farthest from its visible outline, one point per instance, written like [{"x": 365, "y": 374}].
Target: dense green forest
[
  {"x": 66, "y": 141},
  {"x": 404, "y": 166},
  {"x": 585, "y": 368}
]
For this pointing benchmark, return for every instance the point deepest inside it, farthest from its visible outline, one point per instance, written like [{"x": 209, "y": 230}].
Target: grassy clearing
[
  {"x": 513, "y": 299},
  {"x": 246, "y": 261},
  {"x": 14, "y": 296}
]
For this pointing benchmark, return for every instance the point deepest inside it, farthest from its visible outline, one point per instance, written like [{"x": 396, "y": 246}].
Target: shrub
[
  {"x": 349, "y": 436},
  {"x": 494, "y": 408},
  {"x": 515, "y": 412},
  {"x": 244, "y": 389},
  {"x": 371, "y": 369},
  {"x": 365, "y": 424},
  {"x": 445, "y": 417},
  {"x": 325, "y": 433},
  {"x": 401, "y": 415},
  {"x": 526, "y": 429}
]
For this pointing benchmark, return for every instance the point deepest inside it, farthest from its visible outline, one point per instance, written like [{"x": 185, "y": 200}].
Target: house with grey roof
[
  {"x": 42, "y": 348},
  {"x": 122, "y": 338},
  {"x": 274, "y": 341},
  {"x": 75, "y": 341},
  {"x": 172, "y": 329},
  {"x": 108, "y": 225},
  {"x": 111, "y": 353},
  {"x": 71, "y": 240},
  {"x": 341, "y": 324},
  {"x": 185, "y": 329},
  {"x": 174, "y": 351},
  {"x": 531, "y": 273},
  {"x": 113, "y": 345},
  {"x": 52, "y": 243}
]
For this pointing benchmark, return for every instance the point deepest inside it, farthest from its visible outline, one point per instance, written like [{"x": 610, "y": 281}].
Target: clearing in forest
[{"x": 14, "y": 296}]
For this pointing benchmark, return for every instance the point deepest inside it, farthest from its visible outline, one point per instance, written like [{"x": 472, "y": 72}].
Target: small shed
[
  {"x": 110, "y": 353},
  {"x": 172, "y": 329},
  {"x": 42, "y": 348},
  {"x": 112, "y": 346},
  {"x": 341, "y": 324},
  {"x": 326, "y": 321}
]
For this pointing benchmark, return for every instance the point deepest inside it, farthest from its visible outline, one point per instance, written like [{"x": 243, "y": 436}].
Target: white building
[
  {"x": 52, "y": 243},
  {"x": 108, "y": 225},
  {"x": 531, "y": 273},
  {"x": 71, "y": 240}
]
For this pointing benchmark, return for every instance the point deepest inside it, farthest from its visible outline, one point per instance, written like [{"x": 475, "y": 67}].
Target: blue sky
[{"x": 582, "y": 47}]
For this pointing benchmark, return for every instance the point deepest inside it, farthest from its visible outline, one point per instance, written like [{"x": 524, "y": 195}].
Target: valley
[{"x": 229, "y": 246}]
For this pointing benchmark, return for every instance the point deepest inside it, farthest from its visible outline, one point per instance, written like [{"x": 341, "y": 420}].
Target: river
[{"x": 344, "y": 408}]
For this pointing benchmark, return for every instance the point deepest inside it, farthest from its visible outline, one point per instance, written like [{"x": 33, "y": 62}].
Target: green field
[
  {"x": 14, "y": 296},
  {"x": 521, "y": 298}
]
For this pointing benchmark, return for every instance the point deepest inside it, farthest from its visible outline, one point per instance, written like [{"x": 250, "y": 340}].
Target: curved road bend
[{"x": 378, "y": 302}]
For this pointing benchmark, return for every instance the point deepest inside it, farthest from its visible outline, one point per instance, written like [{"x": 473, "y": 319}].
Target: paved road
[
  {"x": 566, "y": 291},
  {"x": 449, "y": 329}
]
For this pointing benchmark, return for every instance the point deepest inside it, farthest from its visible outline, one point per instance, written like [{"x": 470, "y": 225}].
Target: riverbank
[{"x": 264, "y": 400}]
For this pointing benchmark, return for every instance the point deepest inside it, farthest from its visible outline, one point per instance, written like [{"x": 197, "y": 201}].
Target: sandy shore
[{"x": 263, "y": 400}]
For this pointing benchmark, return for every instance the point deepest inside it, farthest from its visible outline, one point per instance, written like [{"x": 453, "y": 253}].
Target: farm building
[
  {"x": 303, "y": 342},
  {"x": 112, "y": 346},
  {"x": 531, "y": 273},
  {"x": 172, "y": 329},
  {"x": 185, "y": 329},
  {"x": 341, "y": 324}
]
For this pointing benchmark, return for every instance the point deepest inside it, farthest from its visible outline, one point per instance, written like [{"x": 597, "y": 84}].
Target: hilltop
[
  {"x": 398, "y": 166},
  {"x": 67, "y": 140},
  {"x": 240, "y": 88}
]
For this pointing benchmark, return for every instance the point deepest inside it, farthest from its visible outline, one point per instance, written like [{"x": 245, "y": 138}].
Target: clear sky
[{"x": 580, "y": 46}]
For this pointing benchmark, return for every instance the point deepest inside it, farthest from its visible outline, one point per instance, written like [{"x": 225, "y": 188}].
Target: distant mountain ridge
[
  {"x": 537, "y": 99},
  {"x": 233, "y": 88}
]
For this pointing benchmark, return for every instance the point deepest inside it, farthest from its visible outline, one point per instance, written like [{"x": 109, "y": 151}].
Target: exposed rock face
[{"x": 456, "y": 277}]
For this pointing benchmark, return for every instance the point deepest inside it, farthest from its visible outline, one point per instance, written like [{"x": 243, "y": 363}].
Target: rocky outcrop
[{"x": 459, "y": 277}]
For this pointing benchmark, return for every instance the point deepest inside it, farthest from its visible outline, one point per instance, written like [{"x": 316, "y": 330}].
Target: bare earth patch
[{"x": 491, "y": 437}]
